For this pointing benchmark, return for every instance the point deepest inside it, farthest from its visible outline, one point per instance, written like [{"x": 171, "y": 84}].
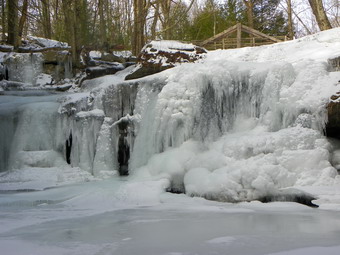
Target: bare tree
[
  {"x": 290, "y": 19},
  {"x": 3, "y": 19},
  {"x": 140, "y": 9},
  {"x": 156, "y": 16},
  {"x": 46, "y": 18},
  {"x": 12, "y": 19},
  {"x": 172, "y": 13},
  {"x": 250, "y": 13},
  {"x": 23, "y": 18},
  {"x": 102, "y": 22},
  {"x": 332, "y": 8},
  {"x": 320, "y": 14},
  {"x": 166, "y": 8}
]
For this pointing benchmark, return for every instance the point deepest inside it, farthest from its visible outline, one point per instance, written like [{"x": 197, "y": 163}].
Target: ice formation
[{"x": 237, "y": 126}]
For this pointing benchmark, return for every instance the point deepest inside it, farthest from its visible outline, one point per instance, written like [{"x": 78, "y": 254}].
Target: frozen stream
[
  {"x": 240, "y": 125},
  {"x": 101, "y": 218}
]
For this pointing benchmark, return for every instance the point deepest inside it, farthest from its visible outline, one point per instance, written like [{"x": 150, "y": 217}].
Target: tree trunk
[
  {"x": 320, "y": 14},
  {"x": 290, "y": 19},
  {"x": 166, "y": 7},
  {"x": 102, "y": 24},
  {"x": 138, "y": 39},
  {"x": 82, "y": 22},
  {"x": 46, "y": 17},
  {"x": 23, "y": 18},
  {"x": 128, "y": 23},
  {"x": 250, "y": 14},
  {"x": 3, "y": 19},
  {"x": 155, "y": 20},
  {"x": 70, "y": 23},
  {"x": 12, "y": 23}
]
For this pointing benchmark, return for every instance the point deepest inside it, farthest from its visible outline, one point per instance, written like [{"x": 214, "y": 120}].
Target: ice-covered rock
[
  {"x": 23, "y": 67},
  {"x": 158, "y": 56},
  {"x": 103, "y": 69},
  {"x": 334, "y": 63},
  {"x": 40, "y": 42}
]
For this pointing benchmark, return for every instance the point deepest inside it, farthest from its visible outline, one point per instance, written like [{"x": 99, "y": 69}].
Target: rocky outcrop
[
  {"x": 36, "y": 56},
  {"x": 104, "y": 69},
  {"x": 158, "y": 56},
  {"x": 333, "y": 124},
  {"x": 57, "y": 63},
  {"x": 99, "y": 63},
  {"x": 334, "y": 63},
  {"x": 95, "y": 58}
]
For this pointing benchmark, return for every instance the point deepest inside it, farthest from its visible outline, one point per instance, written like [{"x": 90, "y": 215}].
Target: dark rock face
[
  {"x": 286, "y": 195},
  {"x": 334, "y": 63},
  {"x": 98, "y": 71},
  {"x": 333, "y": 125},
  {"x": 158, "y": 56},
  {"x": 68, "y": 148},
  {"x": 291, "y": 196},
  {"x": 123, "y": 148},
  {"x": 57, "y": 63}
]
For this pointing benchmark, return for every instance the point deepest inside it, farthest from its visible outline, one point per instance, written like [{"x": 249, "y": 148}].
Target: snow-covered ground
[{"x": 235, "y": 127}]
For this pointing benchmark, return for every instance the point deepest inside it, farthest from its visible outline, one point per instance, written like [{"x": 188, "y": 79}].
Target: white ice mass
[{"x": 239, "y": 125}]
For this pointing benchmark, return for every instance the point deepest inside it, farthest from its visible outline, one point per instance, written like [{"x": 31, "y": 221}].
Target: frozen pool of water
[{"x": 93, "y": 218}]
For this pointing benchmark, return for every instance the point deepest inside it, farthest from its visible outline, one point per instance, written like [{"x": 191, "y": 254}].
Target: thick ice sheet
[{"x": 105, "y": 218}]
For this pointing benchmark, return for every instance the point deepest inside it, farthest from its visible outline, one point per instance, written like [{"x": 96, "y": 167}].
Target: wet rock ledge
[{"x": 333, "y": 124}]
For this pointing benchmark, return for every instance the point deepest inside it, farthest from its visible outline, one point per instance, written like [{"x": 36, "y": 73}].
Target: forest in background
[{"x": 129, "y": 24}]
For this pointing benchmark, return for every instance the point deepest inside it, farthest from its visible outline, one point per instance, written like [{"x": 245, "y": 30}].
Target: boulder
[
  {"x": 55, "y": 57},
  {"x": 105, "y": 69},
  {"x": 57, "y": 63},
  {"x": 158, "y": 56},
  {"x": 23, "y": 67},
  {"x": 109, "y": 57},
  {"x": 333, "y": 124},
  {"x": 334, "y": 63}
]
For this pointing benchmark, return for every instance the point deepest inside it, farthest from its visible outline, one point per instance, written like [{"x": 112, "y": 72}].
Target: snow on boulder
[
  {"x": 157, "y": 56},
  {"x": 39, "y": 42}
]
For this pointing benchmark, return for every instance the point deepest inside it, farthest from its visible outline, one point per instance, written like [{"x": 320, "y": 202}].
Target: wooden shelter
[{"x": 227, "y": 39}]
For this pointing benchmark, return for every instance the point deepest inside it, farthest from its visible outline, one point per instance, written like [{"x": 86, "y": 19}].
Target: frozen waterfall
[
  {"x": 226, "y": 135},
  {"x": 233, "y": 127}
]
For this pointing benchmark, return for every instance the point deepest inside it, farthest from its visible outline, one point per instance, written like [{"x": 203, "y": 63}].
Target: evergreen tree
[
  {"x": 208, "y": 22},
  {"x": 269, "y": 19}
]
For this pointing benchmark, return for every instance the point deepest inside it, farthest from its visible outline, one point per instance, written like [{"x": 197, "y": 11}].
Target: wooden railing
[
  {"x": 228, "y": 40},
  {"x": 231, "y": 43}
]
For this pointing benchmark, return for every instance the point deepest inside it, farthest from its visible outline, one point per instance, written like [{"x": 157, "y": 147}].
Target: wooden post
[
  {"x": 253, "y": 41},
  {"x": 239, "y": 31},
  {"x": 223, "y": 40}
]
